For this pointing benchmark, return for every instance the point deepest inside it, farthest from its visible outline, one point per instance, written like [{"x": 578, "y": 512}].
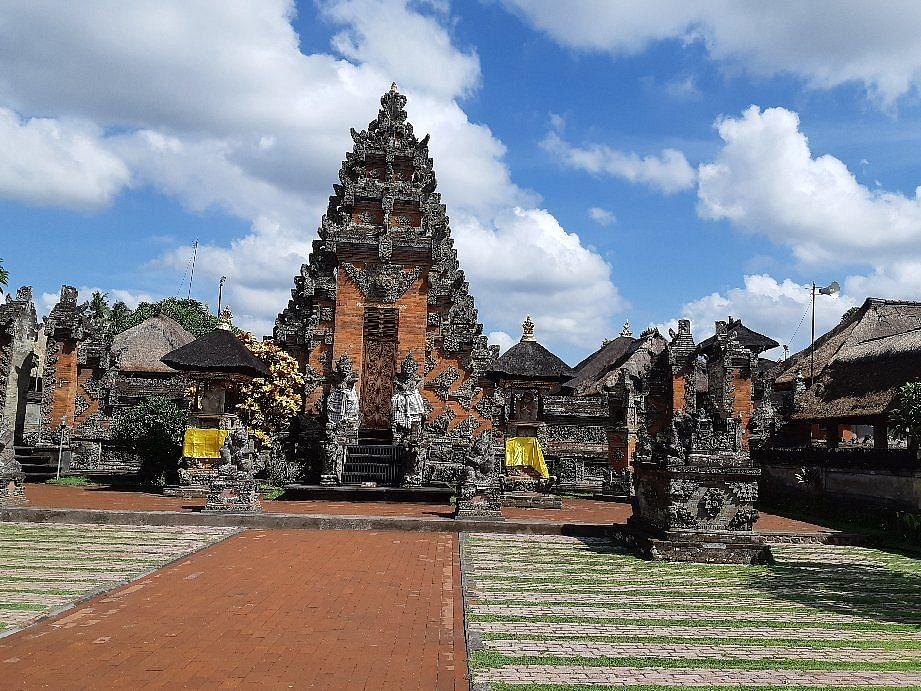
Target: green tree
[
  {"x": 4, "y": 275},
  {"x": 152, "y": 431},
  {"x": 99, "y": 306},
  {"x": 906, "y": 416},
  {"x": 119, "y": 316},
  {"x": 192, "y": 315}
]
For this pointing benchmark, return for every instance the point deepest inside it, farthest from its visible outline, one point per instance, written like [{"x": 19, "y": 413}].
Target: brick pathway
[
  {"x": 277, "y": 609},
  {"x": 574, "y": 510}
]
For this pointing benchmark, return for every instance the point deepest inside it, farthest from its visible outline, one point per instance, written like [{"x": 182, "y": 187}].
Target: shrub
[
  {"x": 152, "y": 432},
  {"x": 906, "y": 416}
]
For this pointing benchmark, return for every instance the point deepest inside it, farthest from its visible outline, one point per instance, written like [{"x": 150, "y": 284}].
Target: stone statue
[
  {"x": 12, "y": 489},
  {"x": 342, "y": 420},
  {"x": 342, "y": 402},
  {"x": 407, "y": 402},
  {"x": 233, "y": 488}
]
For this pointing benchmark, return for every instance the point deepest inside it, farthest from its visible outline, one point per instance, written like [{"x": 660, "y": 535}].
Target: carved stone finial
[
  {"x": 527, "y": 329},
  {"x": 225, "y": 319},
  {"x": 409, "y": 366},
  {"x": 626, "y": 332},
  {"x": 393, "y": 87}
]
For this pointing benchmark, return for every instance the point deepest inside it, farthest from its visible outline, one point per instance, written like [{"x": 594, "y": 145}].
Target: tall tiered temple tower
[{"x": 380, "y": 314}]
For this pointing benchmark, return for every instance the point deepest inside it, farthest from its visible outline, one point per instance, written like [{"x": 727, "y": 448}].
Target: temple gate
[{"x": 384, "y": 326}]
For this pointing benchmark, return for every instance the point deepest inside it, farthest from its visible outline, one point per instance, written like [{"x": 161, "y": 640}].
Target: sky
[{"x": 601, "y": 162}]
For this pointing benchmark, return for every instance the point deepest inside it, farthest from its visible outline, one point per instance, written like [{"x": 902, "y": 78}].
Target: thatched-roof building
[
  {"x": 529, "y": 360},
  {"x": 140, "y": 348},
  {"x": 751, "y": 340},
  {"x": 217, "y": 352},
  {"x": 858, "y": 367}
]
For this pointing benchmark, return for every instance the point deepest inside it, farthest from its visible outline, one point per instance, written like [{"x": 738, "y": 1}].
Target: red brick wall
[{"x": 65, "y": 376}]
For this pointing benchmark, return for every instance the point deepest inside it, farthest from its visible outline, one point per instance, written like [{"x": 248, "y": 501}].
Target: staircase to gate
[
  {"x": 39, "y": 463},
  {"x": 380, "y": 463}
]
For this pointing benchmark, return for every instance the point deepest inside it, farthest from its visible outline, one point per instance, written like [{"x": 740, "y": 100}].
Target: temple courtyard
[{"x": 552, "y": 602}]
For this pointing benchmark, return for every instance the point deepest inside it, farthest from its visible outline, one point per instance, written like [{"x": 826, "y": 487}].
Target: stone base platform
[
  {"x": 723, "y": 547},
  {"x": 532, "y": 500},
  {"x": 186, "y": 491},
  {"x": 434, "y": 495}
]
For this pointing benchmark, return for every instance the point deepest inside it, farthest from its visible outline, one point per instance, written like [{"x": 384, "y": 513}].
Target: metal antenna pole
[{"x": 192, "y": 274}]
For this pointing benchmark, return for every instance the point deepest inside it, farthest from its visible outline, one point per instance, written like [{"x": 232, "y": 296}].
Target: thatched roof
[
  {"x": 528, "y": 359},
  {"x": 140, "y": 348},
  {"x": 635, "y": 361},
  {"x": 606, "y": 355},
  {"x": 752, "y": 340},
  {"x": 860, "y": 364},
  {"x": 218, "y": 351}
]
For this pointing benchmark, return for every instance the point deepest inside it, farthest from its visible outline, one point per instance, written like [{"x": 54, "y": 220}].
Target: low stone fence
[{"x": 881, "y": 478}]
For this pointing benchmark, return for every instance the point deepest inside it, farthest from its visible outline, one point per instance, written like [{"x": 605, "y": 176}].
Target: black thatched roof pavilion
[
  {"x": 528, "y": 359},
  {"x": 752, "y": 340},
  {"x": 217, "y": 352}
]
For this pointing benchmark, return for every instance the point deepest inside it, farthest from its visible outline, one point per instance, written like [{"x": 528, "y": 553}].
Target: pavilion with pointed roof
[{"x": 528, "y": 359}]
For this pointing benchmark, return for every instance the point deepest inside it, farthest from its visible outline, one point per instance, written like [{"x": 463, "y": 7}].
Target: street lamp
[{"x": 831, "y": 289}]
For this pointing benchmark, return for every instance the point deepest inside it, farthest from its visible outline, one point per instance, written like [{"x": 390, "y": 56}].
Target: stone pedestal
[
  {"x": 12, "y": 479},
  {"x": 233, "y": 491},
  {"x": 12, "y": 489},
  {"x": 523, "y": 488},
  {"x": 698, "y": 510},
  {"x": 721, "y": 547},
  {"x": 479, "y": 500}
]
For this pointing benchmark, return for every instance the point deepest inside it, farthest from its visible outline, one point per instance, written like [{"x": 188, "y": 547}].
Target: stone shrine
[{"x": 695, "y": 484}]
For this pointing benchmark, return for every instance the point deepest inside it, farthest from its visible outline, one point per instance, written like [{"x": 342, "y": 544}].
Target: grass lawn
[{"x": 552, "y": 613}]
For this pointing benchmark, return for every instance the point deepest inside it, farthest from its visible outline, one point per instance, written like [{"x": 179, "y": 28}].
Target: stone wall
[{"x": 874, "y": 478}]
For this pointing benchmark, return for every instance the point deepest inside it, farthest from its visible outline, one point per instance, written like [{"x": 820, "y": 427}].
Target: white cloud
[
  {"x": 501, "y": 339},
  {"x": 669, "y": 172},
  {"x": 824, "y": 42},
  {"x": 766, "y": 180},
  {"x": 57, "y": 162},
  {"x": 527, "y": 263},
  {"x": 215, "y": 105},
  {"x": 770, "y": 307},
  {"x": 602, "y": 217}
]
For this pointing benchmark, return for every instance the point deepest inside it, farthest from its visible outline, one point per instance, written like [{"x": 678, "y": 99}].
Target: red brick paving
[
  {"x": 573, "y": 511},
  {"x": 278, "y": 609}
]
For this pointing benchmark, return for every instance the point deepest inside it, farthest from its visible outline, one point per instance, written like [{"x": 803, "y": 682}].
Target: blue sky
[{"x": 600, "y": 161}]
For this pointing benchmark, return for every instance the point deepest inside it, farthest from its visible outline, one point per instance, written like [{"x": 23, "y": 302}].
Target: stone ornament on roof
[
  {"x": 225, "y": 319},
  {"x": 527, "y": 329}
]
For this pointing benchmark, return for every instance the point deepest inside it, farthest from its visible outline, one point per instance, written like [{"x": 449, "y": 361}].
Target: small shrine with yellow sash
[
  {"x": 217, "y": 454},
  {"x": 524, "y": 374}
]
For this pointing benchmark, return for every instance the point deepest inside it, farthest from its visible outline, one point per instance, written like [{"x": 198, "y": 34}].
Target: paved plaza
[
  {"x": 44, "y": 568},
  {"x": 266, "y": 609},
  {"x": 134, "y": 607},
  {"x": 573, "y": 612}
]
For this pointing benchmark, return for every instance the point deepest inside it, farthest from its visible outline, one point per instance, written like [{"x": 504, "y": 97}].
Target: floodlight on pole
[
  {"x": 831, "y": 289},
  {"x": 220, "y": 293}
]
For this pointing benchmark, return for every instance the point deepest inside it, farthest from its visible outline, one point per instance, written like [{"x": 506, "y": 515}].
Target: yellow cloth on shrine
[
  {"x": 203, "y": 443},
  {"x": 525, "y": 451}
]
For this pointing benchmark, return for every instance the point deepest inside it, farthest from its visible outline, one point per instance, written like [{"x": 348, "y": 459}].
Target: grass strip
[
  {"x": 501, "y": 686},
  {"x": 485, "y": 659},
  {"x": 21, "y": 606},
  {"x": 862, "y": 644},
  {"x": 700, "y": 623}
]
